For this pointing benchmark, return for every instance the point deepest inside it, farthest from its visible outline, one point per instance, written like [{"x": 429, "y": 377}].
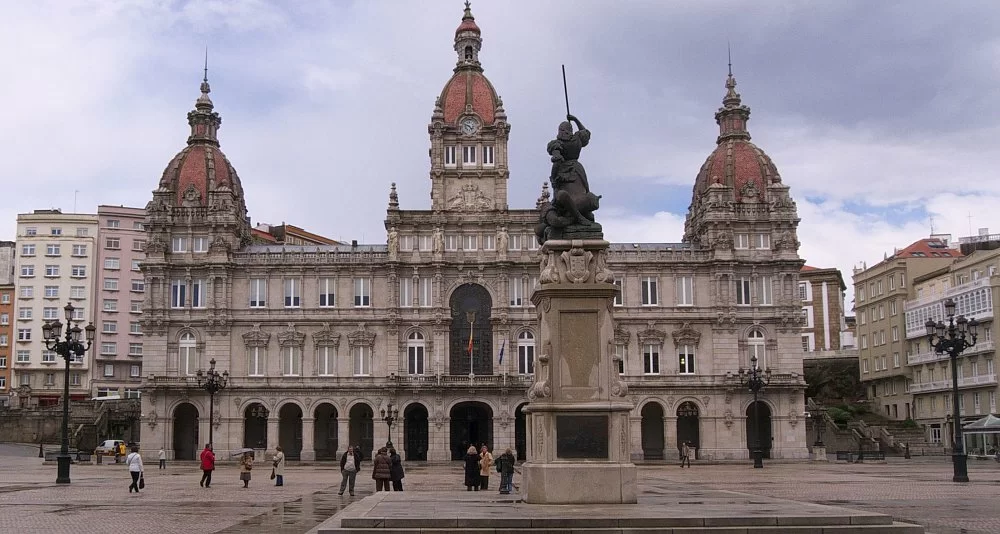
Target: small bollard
[
  {"x": 41, "y": 451},
  {"x": 99, "y": 456},
  {"x": 906, "y": 453}
]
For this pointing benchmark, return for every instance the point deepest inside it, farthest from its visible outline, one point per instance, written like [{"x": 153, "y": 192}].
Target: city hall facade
[{"x": 437, "y": 321}]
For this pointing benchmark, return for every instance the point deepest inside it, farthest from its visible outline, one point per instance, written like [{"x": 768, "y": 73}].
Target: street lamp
[
  {"x": 72, "y": 346},
  {"x": 389, "y": 414},
  {"x": 755, "y": 380},
  {"x": 951, "y": 339},
  {"x": 818, "y": 415},
  {"x": 213, "y": 382}
]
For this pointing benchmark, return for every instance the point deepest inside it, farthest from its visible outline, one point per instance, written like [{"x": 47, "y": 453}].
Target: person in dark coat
[
  {"x": 505, "y": 466},
  {"x": 350, "y": 464},
  {"x": 381, "y": 470},
  {"x": 472, "y": 469},
  {"x": 395, "y": 470}
]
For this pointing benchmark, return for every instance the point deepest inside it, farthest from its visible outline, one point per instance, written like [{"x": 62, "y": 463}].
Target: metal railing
[{"x": 964, "y": 382}]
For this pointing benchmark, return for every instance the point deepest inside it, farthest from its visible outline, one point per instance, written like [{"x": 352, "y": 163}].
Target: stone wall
[{"x": 45, "y": 425}]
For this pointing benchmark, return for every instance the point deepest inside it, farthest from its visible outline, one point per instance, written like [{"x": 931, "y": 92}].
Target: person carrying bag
[{"x": 134, "y": 461}]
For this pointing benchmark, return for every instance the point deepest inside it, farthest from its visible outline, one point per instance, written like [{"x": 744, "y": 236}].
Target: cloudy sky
[{"x": 881, "y": 116}]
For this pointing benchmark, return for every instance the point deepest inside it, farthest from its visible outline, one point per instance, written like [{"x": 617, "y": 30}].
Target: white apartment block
[{"x": 55, "y": 265}]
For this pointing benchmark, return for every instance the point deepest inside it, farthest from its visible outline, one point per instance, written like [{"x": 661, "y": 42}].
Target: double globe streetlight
[
  {"x": 213, "y": 382},
  {"x": 952, "y": 339},
  {"x": 69, "y": 348},
  {"x": 755, "y": 379}
]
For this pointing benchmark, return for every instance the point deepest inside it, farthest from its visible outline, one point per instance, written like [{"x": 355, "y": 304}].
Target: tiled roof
[{"x": 928, "y": 248}]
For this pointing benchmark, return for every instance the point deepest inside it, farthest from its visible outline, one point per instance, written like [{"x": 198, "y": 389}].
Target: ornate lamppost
[
  {"x": 389, "y": 414},
  {"x": 70, "y": 347},
  {"x": 754, "y": 379},
  {"x": 213, "y": 382},
  {"x": 952, "y": 339}
]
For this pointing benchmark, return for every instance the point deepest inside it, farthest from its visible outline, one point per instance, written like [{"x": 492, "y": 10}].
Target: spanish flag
[{"x": 470, "y": 340}]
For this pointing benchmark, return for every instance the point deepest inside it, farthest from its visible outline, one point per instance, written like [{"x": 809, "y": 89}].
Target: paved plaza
[{"x": 97, "y": 501}]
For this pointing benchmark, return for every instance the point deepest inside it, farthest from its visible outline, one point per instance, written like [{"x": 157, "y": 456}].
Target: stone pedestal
[
  {"x": 577, "y": 418},
  {"x": 819, "y": 453}
]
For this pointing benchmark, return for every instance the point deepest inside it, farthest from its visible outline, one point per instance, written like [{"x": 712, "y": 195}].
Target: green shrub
[
  {"x": 910, "y": 423},
  {"x": 839, "y": 415}
]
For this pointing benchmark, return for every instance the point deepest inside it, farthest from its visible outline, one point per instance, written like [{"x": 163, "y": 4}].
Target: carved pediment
[
  {"x": 291, "y": 337},
  {"x": 326, "y": 337},
  {"x": 361, "y": 337},
  {"x": 621, "y": 335},
  {"x": 651, "y": 336},
  {"x": 686, "y": 335},
  {"x": 256, "y": 337}
]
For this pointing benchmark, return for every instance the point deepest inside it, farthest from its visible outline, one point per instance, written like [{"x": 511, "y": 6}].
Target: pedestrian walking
[
  {"x": 134, "y": 461},
  {"x": 163, "y": 458},
  {"x": 381, "y": 470},
  {"x": 279, "y": 466},
  {"x": 485, "y": 467},
  {"x": 395, "y": 470},
  {"x": 207, "y": 465},
  {"x": 472, "y": 469},
  {"x": 505, "y": 466},
  {"x": 246, "y": 465},
  {"x": 685, "y": 454},
  {"x": 350, "y": 464}
]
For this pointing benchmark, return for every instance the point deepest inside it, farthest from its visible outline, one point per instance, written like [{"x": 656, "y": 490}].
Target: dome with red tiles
[
  {"x": 468, "y": 91},
  {"x": 468, "y": 21},
  {"x": 736, "y": 162},
  {"x": 201, "y": 167}
]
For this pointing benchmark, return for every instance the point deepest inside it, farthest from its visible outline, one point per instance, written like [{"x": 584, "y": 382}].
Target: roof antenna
[
  {"x": 206, "y": 64},
  {"x": 729, "y": 51}
]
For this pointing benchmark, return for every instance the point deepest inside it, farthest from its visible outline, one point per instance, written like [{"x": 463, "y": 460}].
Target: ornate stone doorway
[
  {"x": 471, "y": 301},
  {"x": 688, "y": 426},
  {"x": 471, "y": 424},
  {"x": 325, "y": 432},
  {"x": 763, "y": 427},
  {"x": 415, "y": 437},
  {"x": 185, "y": 432},
  {"x": 362, "y": 429},
  {"x": 255, "y": 426},
  {"x": 652, "y": 431}
]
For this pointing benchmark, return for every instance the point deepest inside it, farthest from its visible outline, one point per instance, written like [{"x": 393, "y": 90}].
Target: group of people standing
[
  {"x": 479, "y": 465},
  {"x": 387, "y": 466},
  {"x": 207, "y": 458}
]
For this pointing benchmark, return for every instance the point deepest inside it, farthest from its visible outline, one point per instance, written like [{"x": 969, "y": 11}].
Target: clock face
[{"x": 469, "y": 126}]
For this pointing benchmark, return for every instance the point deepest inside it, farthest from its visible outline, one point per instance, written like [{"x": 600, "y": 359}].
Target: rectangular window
[
  {"x": 864, "y": 341},
  {"x": 109, "y": 327},
  {"x": 325, "y": 363},
  {"x": 515, "y": 287},
  {"x": 651, "y": 359},
  {"x": 425, "y": 243},
  {"x": 4, "y": 340},
  {"x": 31, "y": 230},
  {"x": 27, "y": 271},
  {"x": 621, "y": 353},
  {"x": 470, "y": 242},
  {"x": 415, "y": 360},
  {"x": 902, "y": 279},
  {"x": 895, "y": 334},
  {"x": 197, "y": 293},
  {"x": 109, "y": 369},
  {"x": 50, "y": 379},
  {"x": 449, "y": 155},
  {"x": 74, "y": 379},
  {"x": 108, "y": 305},
  {"x": 405, "y": 292},
  {"x": 28, "y": 249},
  {"x": 526, "y": 356},
  {"x": 4, "y": 318},
  {"x": 255, "y": 358},
  {"x": 200, "y": 244},
  {"x": 112, "y": 263},
  {"x": 516, "y": 242},
  {"x": 451, "y": 242},
  {"x": 468, "y": 155},
  {"x": 79, "y": 250},
  {"x": 136, "y": 225},
  {"x": 135, "y": 265},
  {"x": 138, "y": 285},
  {"x": 327, "y": 292},
  {"x": 51, "y": 270},
  {"x": 258, "y": 292},
  {"x": 685, "y": 290},
  {"x": 134, "y": 371},
  {"x": 82, "y": 232},
  {"x": 488, "y": 155},
  {"x": 139, "y": 245},
  {"x": 178, "y": 294},
  {"x": 425, "y": 293},
  {"x": 806, "y": 343},
  {"x": 113, "y": 223},
  {"x": 113, "y": 243},
  {"x": 762, "y": 241},
  {"x": 179, "y": 244},
  {"x": 109, "y": 349},
  {"x": 111, "y": 284},
  {"x": 685, "y": 360},
  {"x": 293, "y": 293},
  {"x": 764, "y": 293},
  {"x": 362, "y": 293},
  {"x": 22, "y": 356},
  {"x": 291, "y": 361},
  {"x": 881, "y": 311},
  {"x": 892, "y": 307},
  {"x": 649, "y": 291},
  {"x": 895, "y": 360},
  {"x": 134, "y": 327},
  {"x": 743, "y": 291},
  {"x": 619, "y": 291},
  {"x": 24, "y": 313},
  {"x": 51, "y": 292},
  {"x": 78, "y": 271},
  {"x": 362, "y": 360},
  {"x": 892, "y": 283},
  {"x": 741, "y": 241},
  {"x": 3, "y": 362},
  {"x": 135, "y": 307},
  {"x": 52, "y": 249}
]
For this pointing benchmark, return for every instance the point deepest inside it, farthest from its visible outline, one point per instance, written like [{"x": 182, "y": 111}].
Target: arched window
[
  {"x": 187, "y": 351},
  {"x": 415, "y": 353},
  {"x": 756, "y": 348},
  {"x": 526, "y": 353},
  {"x": 468, "y": 53}
]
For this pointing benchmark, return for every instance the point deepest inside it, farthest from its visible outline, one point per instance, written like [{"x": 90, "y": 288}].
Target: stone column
[
  {"x": 308, "y": 439},
  {"x": 343, "y": 435}
]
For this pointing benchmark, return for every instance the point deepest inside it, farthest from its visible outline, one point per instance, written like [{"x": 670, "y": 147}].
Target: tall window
[
  {"x": 449, "y": 155},
  {"x": 362, "y": 293},
  {"x": 425, "y": 293},
  {"x": 649, "y": 295},
  {"x": 516, "y": 290},
  {"x": 743, "y": 291},
  {"x": 187, "y": 351},
  {"x": 619, "y": 291},
  {"x": 762, "y": 241},
  {"x": 415, "y": 353},
  {"x": 293, "y": 293},
  {"x": 488, "y": 155},
  {"x": 764, "y": 295},
  {"x": 741, "y": 241},
  {"x": 685, "y": 360},
  {"x": 327, "y": 292},
  {"x": 405, "y": 292},
  {"x": 470, "y": 242},
  {"x": 200, "y": 244},
  {"x": 651, "y": 359},
  {"x": 362, "y": 360},
  {"x": 526, "y": 353},
  {"x": 258, "y": 292},
  {"x": 178, "y": 293},
  {"x": 28, "y": 249},
  {"x": 255, "y": 357},
  {"x": 198, "y": 294},
  {"x": 685, "y": 290},
  {"x": 621, "y": 351},
  {"x": 468, "y": 155},
  {"x": 179, "y": 244},
  {"x": 756, "y": 347},
  {"x": 291, "y": 361}
]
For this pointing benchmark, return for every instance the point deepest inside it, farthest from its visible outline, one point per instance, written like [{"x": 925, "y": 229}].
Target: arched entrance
[
  {"x": 290, "y": 431},
  {"x": 520, "y": 433},
  {"x": 415, "y": 439},
  {"x": 185, "y": 432},
  {"x": 255, "y": 426},
  {"x": 687, "y": 426},
  {"x": 471, "y": 301},
  {"x": 762, "y": 428},
  {"x": 325, "y": 431},
  {"x": 652, "y": 431},
  {"x": 362, "y": 429},
  {"x": 471, "y": 424}
]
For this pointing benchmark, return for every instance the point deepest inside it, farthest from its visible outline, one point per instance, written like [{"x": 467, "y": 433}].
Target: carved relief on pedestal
[
  {"x": 728, "y": 418},
  {"x": 540, "y": 389},
  {"x": 151, "y": 419}
]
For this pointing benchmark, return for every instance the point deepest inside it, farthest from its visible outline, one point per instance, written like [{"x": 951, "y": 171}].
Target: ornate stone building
[{"x": 438, "y": 322}]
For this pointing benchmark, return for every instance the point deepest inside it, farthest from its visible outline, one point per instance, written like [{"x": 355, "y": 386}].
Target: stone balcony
[
  {"x": 963, "y": 383},
  {"x": 932, "y": 357}
]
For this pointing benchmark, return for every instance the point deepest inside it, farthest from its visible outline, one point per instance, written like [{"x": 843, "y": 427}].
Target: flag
[
  {"x": 470, "y": 340},
  {"x": 502, "y": 345}
]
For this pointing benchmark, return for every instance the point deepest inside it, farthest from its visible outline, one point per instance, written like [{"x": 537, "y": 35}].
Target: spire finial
[
  {"x": 205, "y": 88},
  {"x": 205, "y": 78},
  {"x": 729, "y": 51}
]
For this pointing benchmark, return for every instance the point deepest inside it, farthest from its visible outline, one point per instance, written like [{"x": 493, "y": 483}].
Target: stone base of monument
[
  {"x": 677, "y": 511},
  {"x": 579, "y": 483}
]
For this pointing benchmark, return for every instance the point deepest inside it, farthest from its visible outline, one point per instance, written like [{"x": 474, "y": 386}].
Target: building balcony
[
  {"x": 845, "y": 354},
  {"x": 932, "y": 357},
  {"x": 963, "y": 383}
]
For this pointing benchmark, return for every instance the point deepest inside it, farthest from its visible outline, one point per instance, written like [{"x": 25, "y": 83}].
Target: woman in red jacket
[{"x": 207, "y": 465}]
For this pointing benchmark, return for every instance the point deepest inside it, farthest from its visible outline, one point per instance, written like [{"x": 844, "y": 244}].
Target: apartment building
[
  {"x": 117, "y": 357},
  {"x": 54, "y": 266},
  {"x": 971, "y": 282},
  {"x": 7, "y": 256},
  {"x": 880, "y": 293},
  {"x": 824, "y": 325}
]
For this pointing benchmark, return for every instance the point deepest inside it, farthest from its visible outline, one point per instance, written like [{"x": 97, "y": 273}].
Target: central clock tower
[{"x": 469, "y": 133}]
